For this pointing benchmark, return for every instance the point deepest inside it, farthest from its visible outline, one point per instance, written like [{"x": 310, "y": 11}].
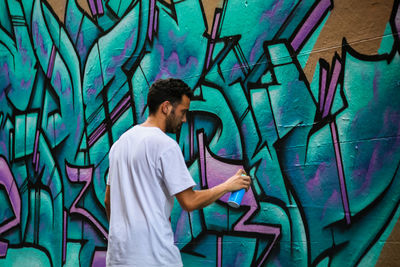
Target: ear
[{"x": 165, "y": 107}]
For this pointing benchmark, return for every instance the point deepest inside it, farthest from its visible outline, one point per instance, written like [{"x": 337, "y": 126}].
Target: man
[{"x": 147, "y": 170}]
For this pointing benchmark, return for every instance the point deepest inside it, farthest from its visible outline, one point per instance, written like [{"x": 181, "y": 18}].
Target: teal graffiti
[{"x": 323, "y": 154}]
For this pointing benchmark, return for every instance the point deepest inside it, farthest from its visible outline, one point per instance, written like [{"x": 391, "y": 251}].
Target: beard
[{"x": 172, "y": 123}]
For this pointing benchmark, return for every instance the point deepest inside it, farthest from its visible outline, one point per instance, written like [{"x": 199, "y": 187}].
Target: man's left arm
[{"x": 107, "y": 202}]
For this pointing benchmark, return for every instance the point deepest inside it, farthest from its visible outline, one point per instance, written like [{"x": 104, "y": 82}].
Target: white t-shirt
[{"x": 146, "y": 170}]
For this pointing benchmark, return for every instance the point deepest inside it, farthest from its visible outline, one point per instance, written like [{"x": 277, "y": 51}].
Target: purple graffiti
[
  {"x": 214, "y": 30},
  {"x": 337, "y": 68},
  {"x": 122, "y": 106},
  {"x": 312, "y": 21},
  {"x": 152, "y": 17},
  {"x": 118, "y": 59},
  {"x": 117, "y": 112},
  {"x": 50, "y": 67},
  {"x": 173, "y": 59},
  {"x": 326, "y": 99},
  {"x": 100, "y": 7},
  {"x": 338, "y": 155},
  {"x": 99, "y": 259},
  {"x": 39, "y": 39},
  {"x": 83, "y": 175},
  {"x": 8, "y": 182},
  {"x": 397, "y": 21},
  {"x": 219, "y": 251},
  {"x": 214, "y": 172}
]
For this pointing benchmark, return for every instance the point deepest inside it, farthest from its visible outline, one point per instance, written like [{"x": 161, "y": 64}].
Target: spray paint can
[{"x": 236, "y": 197}]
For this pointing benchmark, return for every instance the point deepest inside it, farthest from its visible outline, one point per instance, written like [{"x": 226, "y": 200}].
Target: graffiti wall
[{"x": 304, "y": 95}]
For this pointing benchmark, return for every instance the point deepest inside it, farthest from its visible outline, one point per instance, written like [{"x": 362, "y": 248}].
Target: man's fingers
[
  {"x": 246, "y": 182},
  {"x": 248, "y": 187},
  {"x": 246, "y": 178},
  {"x": 240, "y": 172}
]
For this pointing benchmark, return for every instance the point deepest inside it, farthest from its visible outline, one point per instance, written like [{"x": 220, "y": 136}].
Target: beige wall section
[
  {"x": 59, "y": 6},
  {"x": 85, "y": 6},
  {"x": 362, "y": 23},
  {"x": 390, "y": 255},
  {"x": 209, "y": 10}
]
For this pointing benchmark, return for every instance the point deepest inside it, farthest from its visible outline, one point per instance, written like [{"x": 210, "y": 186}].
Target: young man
[{"x": 147, "y": 170}]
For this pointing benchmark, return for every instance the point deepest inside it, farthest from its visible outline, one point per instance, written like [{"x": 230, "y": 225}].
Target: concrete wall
[{"x": 304, "y": 95}]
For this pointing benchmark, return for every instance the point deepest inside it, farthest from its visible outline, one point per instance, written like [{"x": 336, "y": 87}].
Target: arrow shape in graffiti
[{"x": 327, "y": 91}]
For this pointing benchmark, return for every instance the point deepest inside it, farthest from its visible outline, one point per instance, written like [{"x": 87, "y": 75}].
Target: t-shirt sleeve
[
  {"x": 110, "y": 167},
  {"x": 108, "y": 181},
  {"x": 174, "y": 171}
]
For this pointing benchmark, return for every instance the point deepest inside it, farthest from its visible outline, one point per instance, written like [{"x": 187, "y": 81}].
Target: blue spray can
[{"x": 236, "y": 197}]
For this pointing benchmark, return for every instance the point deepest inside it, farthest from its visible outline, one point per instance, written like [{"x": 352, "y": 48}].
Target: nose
[{"x": 184, "y": 118}]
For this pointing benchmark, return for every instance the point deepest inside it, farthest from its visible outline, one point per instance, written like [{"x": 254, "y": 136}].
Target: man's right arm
[
  {"x": 107, "y": 202},
  {"x": 190, "y": 199}
]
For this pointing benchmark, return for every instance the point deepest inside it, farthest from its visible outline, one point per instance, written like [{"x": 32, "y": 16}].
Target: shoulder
[
  {"x": 153, "y": 135},
  {"x": 112, "y": 149},
  {"x": 153, "y": 138},
  {"x": 171, "y": 150},
  {"x": 119, "y": 142},
  {"x": 163, "y": 142}
]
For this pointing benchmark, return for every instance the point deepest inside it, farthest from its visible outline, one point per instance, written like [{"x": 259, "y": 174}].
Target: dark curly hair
[{"x": 170, "y": 90}]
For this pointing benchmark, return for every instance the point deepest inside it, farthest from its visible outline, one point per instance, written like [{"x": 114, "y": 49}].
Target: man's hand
[{"x": 238, "y": 181}]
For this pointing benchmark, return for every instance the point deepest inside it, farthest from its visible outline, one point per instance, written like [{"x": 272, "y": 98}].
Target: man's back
[{"x": 146, "y": 170}]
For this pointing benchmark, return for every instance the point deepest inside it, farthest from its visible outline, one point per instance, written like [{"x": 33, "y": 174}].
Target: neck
[{"x": 154, "y": 121}]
